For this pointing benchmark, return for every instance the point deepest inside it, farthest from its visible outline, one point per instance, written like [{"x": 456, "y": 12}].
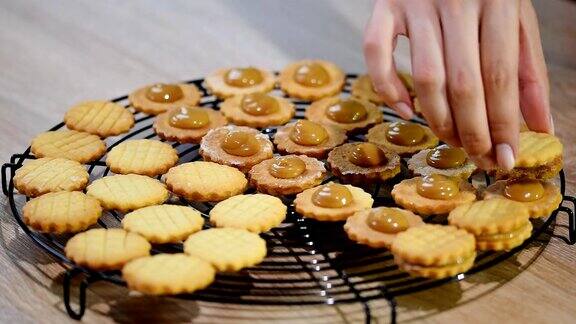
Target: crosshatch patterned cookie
[
  {"x": 37, "y": 177},
  {"x": 168, "y": 274},
  {"x": 102, "y": 118},
  {"x": 227, "y": 249},
  {"x": 68, "y": 144},
  {"x": 62, "y": 212},
  {"x": 256, "y": 213},
  {"x": 106, "y": 249},
  {"x": 205, "y": 181},
  {"x": 164, "y": 223},
  {"x": 127, "y": 192},
  {"x": 142, "y": 156}
]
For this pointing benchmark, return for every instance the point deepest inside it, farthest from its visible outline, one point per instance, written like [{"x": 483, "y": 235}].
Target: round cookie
[
  {"x": 102, "y": 118},
  {"x": 68, "y": 144},
  {"x": 256, "y": 213},
  {"x": 362, "y": 88},
  {"x": 402, "y": 137},
  {"x": 157, "y": 98},
  {"x": 285, "y": 138},
  {"x": 40, "y": 176},
  {"x": 62, "y": 212},
  {"x": 540, "y": 207},
  {"x": 350, "y": 114},
  {"x": 311, "y": 79},
  {"x": 165, "y": 126},
  {"x": 168, "y": 274},
  {"x": 106, "y": 249},
  {"x": 142, "y": 156},
  {"x": 164, "y": 223},
  {"x": 227, "y": 249},
  {"x": 257, "y": 110},
  {"x": 444, "y": 160},
  {"x": 228, "y": 82}
]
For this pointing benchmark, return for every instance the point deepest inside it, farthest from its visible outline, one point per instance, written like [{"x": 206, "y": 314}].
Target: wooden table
[{"x": 55, "y": 54}]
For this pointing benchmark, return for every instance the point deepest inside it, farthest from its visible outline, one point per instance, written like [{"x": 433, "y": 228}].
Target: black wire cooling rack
[{"x": 308, "y": 262}]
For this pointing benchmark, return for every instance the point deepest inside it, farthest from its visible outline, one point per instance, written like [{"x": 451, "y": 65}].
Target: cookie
[
  {"x": 187, "y": 124},
  {"x": 256, "y": 213},
  {"x": 127, "y": 192},
  {"x": 362, "y": 88},
  {"x": 402, "y": 137},
  {"x": 311, "y": 79},
  {"x": 40, "y": 176},
  {"x": 540, "y": 197},
  {"x": 62, "y": 212},
  {"x": 157, "y": 98},
  {"x": 228, "y": 82},
  {"x": 227, "y": 249},
  {"x": 102, "y": 118},
  {"x": 332, "y": 202},
  {"x": 163, "y": 223},
  {"x": 353, "y": 115},
  {"x": 168, "y": 274},
  {"x": 205, "y": 181},
  {"x": 142, "y": 156},
  {"x": 68, "y": 144},
  {"x": 106, "y": 249},
  {"x": 444, "y": 160},
  {"x": 258, "y": 110},
  {"x": 308, "y": 138}
]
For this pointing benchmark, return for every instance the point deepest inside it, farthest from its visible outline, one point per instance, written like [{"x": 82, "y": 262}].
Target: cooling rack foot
[
  {"x": 71, "y": 274},
  {"x": 571, "y": 212}
]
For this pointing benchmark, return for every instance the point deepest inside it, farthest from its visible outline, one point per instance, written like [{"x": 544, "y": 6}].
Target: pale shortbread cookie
[
  {"x": 297, "y": 90},
  {"x": 168, "y": 274},
  {"x": 106, "y": 249},
  {"x": 437, "y": 272},
  {"x": 190, "y": 97},
  {"x": 142, "y": 156},
  {"x": 205, "y": 181},
  {"x": 37, "y": 177},
  {"x": 216, "y": 83},
  {"x": 542, "y": 207},
  {"x": 164, "y": 223},
  {"x": 256, "y": 213},
  {"x": 102, "y": 118},
  {"x": 127, "y": 192},
  {"x": 62, "y": 212},
  {"x": 227, "y": 249},
  {"x": 68, "y": 144}
]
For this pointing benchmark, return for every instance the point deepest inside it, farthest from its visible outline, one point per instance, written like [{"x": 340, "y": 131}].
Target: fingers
[
  {"x": 428, "y": 70},
  {"x": 499, "y": 56},
  {"x": 464, "y": 79},
  {"x": 533, "y": 76},
  {"x": 379, "y": 42}
]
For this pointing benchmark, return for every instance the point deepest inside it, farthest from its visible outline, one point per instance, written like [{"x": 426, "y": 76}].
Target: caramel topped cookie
[
  {"x": 363, "y": 163},
  {"x": 98, "y": 117},
  {"x": 68, "y": 144},
  {"x": 257, "y": 110},
  {"x": 402, "y": 137},
  {"x": 444, "y": 160},
  {"x": 187, "y": 124},
  {"x": 286, "y": 175},
  {"x": 351, "y": 114},
  {"x": 308, "y": 138},
  {"x": 362, "y": 88},
  {"x": 159, "y": 97},
  {"x": 228, "y": 82},
  {"x": 238, "y": 146},
  {"x": 311, "y": 79}
]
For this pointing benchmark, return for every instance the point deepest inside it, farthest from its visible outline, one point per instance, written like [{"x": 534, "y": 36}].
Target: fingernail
[
  {"x": 505, "y": 156},
  {"x": 403, "y": 110},
  {"x": 551, "y": 125}
]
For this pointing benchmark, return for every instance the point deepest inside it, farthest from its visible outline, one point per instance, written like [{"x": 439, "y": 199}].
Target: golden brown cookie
[
  {"x": 228, "y": 82},
  {"x": 168, "y": 274},
  {"x": 37, "y": 177},
  {"x": 127, "y": 192},
  {"x": 540, "y": 156},
  {"x": 433, "y": 195},
  {"x": 256, "y": 213},
  {"x": 187, "y": 124},
  {"x": 257, "y": 110},
  {"x": 444, "y": 160},
  {"x": 363, "y": 163},
  {"x": 311, "y": 79},
  {"x": 378, "y": 227},
  {"x": 287, "y": 175},
  {"x": 362, "y": 88},
  {"x": 205, "y": 181},
  {"x": 237, "y": 146},
  {"x": 102, "y": 118},
  {"x": 164, "y": 223},
  {"x": 540, "y": 197},
  {"x": 159, "y": 97},
  {"x": 402, "y": 137},
  {"x": 434, "y": 251},
  {"x": 308, "y": 138},
  {"x": 498, "y": 224},
  {"x": 142, "y": 156},
  {"x": 62, "y": 212},
  {"x": 68, "y": 144},
  {"x": 106, "y": 249},
  {"x": 227, "y": 249},
  {"x": 353, "y": 115},
  {"x": 332, "y": 202}
]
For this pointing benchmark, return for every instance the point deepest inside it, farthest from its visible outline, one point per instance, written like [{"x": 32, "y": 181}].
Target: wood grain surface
[{"x": 55, "y": 53}]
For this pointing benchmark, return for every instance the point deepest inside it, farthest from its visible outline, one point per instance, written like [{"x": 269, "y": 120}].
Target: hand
[{"x": 475, "y": 63}]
